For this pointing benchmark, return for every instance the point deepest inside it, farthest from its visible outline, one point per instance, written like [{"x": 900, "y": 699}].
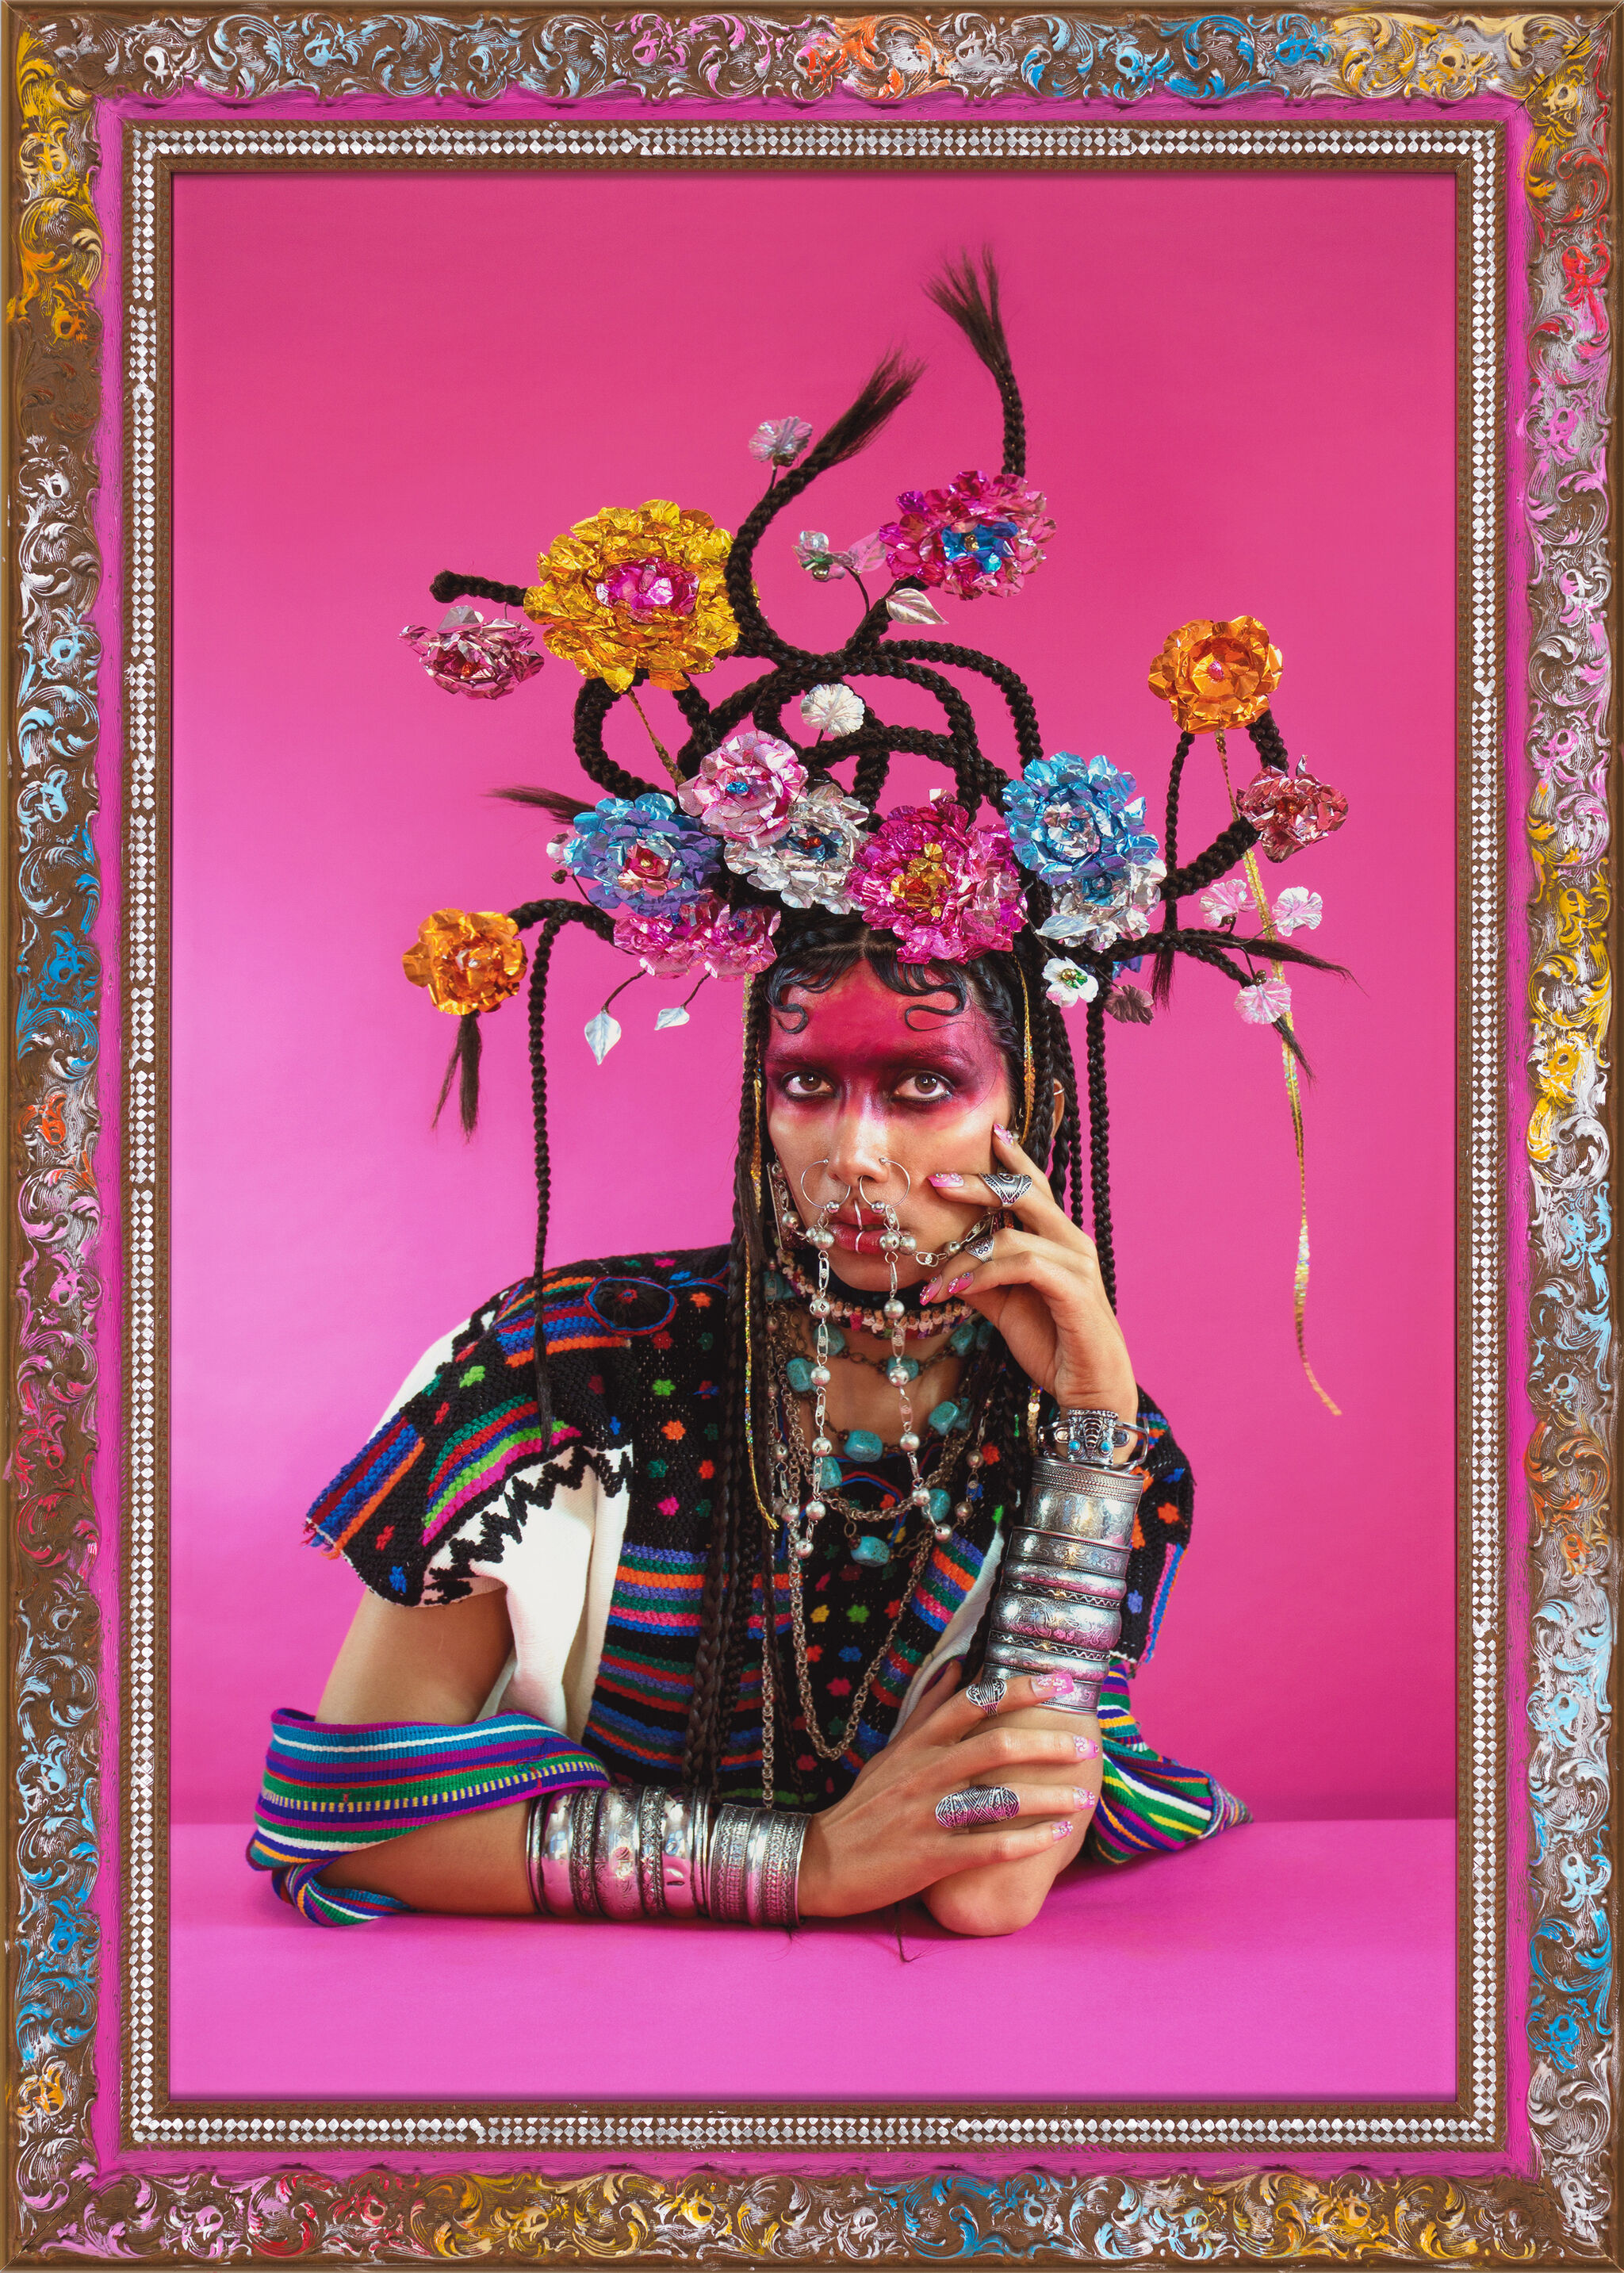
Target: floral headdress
[{"x": 692, "y": 878}]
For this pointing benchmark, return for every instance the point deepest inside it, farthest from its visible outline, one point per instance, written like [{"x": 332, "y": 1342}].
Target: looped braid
[
  {"x": 1022, "y": 709},
  {"x": 974, "y": 775},
  {"x": 1160, "y": 984},
  {"x": 1220, "y": 856},
  {"x": 1270, "y": 742},
  {"x": 448, "y": 586},
  {"x": 593, "y": 705}
]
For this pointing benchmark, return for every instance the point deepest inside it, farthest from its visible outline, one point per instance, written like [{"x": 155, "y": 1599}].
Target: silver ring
[
  {"x": 977, "y": 1805},
  {"x": 987, "y": 1694},
  {"x": 980, "y": 1248},
  {"x": 908, "y": 1183},
  {"x": 1006, "y": 1187},
  {"x": 807, "y": 1196}
]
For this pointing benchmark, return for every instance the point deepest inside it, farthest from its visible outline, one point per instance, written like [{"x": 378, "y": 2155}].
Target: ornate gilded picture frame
[{"x": 107, "y": 2160}]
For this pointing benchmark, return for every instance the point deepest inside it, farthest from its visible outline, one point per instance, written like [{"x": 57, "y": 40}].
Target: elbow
[{"x": 984, "y": 1910}]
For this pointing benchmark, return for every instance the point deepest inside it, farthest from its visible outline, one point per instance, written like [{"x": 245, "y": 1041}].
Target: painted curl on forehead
[{"x": 817, "y": 957}]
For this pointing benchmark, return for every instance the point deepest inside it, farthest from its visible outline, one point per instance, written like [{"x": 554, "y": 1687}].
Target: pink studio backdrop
[{"x": 1240, "y": 396}]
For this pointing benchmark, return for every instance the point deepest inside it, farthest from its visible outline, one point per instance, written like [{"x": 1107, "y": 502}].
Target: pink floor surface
[{"x": 1281, "y": 1960}]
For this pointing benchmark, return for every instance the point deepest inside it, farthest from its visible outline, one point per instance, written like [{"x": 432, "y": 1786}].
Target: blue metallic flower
[
  {"x": 640, "y": 853},
  {"x": 1073, "y": 819}
]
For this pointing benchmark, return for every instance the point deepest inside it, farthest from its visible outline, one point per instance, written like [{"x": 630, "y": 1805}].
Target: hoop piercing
[
  {"x": 907, "y": 1184},
  {"x": 825, "y": 1205}
]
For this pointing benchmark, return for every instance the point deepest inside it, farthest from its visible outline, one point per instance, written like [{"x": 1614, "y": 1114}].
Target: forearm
[
  {"x": 1002, "y": 1897},
  {"x": 472, "y": 1865}
]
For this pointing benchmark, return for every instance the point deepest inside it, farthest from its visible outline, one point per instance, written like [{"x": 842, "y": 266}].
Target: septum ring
[{"x": 827, "y": 1204}]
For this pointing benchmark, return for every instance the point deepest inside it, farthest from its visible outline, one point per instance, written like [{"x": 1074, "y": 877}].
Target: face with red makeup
[
  {"x": 889, "y": 1088},
  {"x": 905, "y": 1097}
]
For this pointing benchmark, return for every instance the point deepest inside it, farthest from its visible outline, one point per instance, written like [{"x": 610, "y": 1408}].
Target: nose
[{"x": 858, "y": 1156}]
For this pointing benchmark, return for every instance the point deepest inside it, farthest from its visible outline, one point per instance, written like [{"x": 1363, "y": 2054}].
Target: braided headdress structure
[{"x": 753, "y": 833}]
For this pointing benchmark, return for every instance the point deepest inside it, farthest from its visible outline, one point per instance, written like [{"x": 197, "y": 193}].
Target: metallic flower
[
  {"x": 1070, "y": 819},
  {"x": 947, "y": 890},
  {"x": 780, "y": 441},
  {"x": 819, "y": 558},
  {"x": 983, "y": 533},
  {"x": 1100, "y": 909},
  {"x": 1269, "y": 999},
  {"x": 833, "y": 709},
  {"x": 468, "y": 963},
  {"x": 1216, "y": 674},
  {"x": 1297, "y": 910},
  {"x": 1069, "y": 983},
  {"x": 637, "y": 590},
  {"x": 746, "y": 787},
  {"x": 1291, "y": 810},
  {"x": 468, "y": 656},
  {"x": 704, "y": 934},
  {"x": 1131, "y": 1004},
  {"x": 639, "y": 853},
  {"x": 1222, "y": 902},
  {"x": 810, "y": 863}
]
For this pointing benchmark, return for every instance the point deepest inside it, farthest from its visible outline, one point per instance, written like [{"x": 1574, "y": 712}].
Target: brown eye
[{"x": 927, "y": 1088}]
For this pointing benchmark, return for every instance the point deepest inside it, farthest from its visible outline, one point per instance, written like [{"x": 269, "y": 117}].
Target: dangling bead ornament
[{"x": 820, "y": 1238}]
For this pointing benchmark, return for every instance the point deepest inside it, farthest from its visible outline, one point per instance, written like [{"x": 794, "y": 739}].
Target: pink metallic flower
[
  {"x": 1262, "y": 1005},
  {"x": 1231, "y": 897},
  {"x": 468, "y": 656},
  {"x": 946, "y": 890},
  {"x": 746, "y": 787},
  {"x": 649, "y": 588},
  {"x": 702, "y": 934},
  {"x": 1290, "y": 811},
  {"x": 983, "y": 533}
]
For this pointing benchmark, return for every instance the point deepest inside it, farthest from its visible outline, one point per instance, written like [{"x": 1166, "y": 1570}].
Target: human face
[{"x": 875, "y": 1085}]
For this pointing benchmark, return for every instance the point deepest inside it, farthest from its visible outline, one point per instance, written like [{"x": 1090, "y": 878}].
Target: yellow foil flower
[
  {"x": 629, "y": 591},
  {"x": 468, "y": 963},
  {"x": 1217, "y": 675}
]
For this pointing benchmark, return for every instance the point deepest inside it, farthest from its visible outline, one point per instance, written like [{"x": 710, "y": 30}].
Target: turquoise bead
[
  {"x": 941, "y": 1506},
  {"x": 984, "y": 1332},
  {"x": 872, "y": 1550},
  {"x": 837, "y": 1341},
  {"x": 960, "y": 1340},
  {"x": 943, "y": 1416},
  {"x": 798, "y": 1373},
  {"x": 776, "y": 1289},
  {"x": 828, "y": 1474},
  {"x": 910, "y": 1365},
  {"x": 862, "y": 1444}
]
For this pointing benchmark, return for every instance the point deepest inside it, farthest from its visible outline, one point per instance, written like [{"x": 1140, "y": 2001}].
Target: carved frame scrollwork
[{"x": 1556, "y": 73}]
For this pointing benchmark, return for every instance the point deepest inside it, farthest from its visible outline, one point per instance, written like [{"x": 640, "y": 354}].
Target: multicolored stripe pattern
[
  {"x": 1149, "y": 1804},
  {"x": 331, "y": 1789}
]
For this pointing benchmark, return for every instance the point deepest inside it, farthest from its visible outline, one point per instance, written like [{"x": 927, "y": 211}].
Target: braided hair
[{"x": 813, "y": 951}]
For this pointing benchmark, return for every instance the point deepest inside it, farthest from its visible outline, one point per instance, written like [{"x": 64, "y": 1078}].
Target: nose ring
[
  {"x": 824, "y": 1205},
  {"x": 907, "y": 1184}
]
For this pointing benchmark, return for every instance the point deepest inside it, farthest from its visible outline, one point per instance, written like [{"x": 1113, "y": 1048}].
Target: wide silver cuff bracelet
[
  {"x": 1058, "y": 1604},
  {"x": 642, "y": 1851}
]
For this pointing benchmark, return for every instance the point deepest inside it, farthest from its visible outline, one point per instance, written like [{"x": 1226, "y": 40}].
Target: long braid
[
  {"x": 718, "y": 1662},
  {"x": 550, "y": 917},
  {"x": 593, "y": 705},
  {"x": 1161, "y": 985},
  {"x": 448, "y": 585},
  {"x": 1099, "y": 1149}
]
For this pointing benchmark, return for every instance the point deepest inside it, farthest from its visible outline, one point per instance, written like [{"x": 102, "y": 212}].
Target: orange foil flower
[
  {"x": 466, "y": 963},
  {"x": 1217, "y": 675},
  {"x": 633, "y": 590}
]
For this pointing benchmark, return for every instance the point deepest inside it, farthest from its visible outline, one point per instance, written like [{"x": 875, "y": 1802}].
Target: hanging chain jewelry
[{"x": 831, "y": 1748}]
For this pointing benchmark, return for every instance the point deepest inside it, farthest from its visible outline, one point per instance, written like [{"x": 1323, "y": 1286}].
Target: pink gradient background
[{"x": 378, "y": 376}]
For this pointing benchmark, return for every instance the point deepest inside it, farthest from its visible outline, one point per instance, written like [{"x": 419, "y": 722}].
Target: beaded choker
[{"x": 920, "y": 1325}]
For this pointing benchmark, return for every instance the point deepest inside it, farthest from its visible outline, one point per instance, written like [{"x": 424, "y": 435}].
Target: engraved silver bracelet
[
  {"x": 642, "y": 1851},
  {"x": 1058, "y": 1607}
]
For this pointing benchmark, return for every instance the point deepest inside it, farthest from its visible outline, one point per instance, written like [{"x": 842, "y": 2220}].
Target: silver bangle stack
[
  {"x": 1058, "y": 1604},
  {"x": 641, "y": 1852}
]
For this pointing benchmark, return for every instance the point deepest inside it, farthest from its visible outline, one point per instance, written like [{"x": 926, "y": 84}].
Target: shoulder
[{"x": 460, "y": 1457}]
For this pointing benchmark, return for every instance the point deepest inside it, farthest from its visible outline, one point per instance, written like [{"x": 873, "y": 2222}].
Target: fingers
[
  {"x": 1035, "y": 1206},
  {"x": 1021, "y": 1258},
  {"x": 972, "y": 1709},
  {"x": 969, "y": 1811},
  {"x": 1016, "y": 1842}
]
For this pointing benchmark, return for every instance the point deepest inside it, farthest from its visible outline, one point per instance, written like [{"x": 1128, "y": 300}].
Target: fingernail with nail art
[
  {"x": 947, "y": 1180},
  {"x": 1052, "y": 1684},
  {"x": 930, "y": 1290},
  {"x": 1063, "y": 1829},
  {"x": 1087, "y": 1748},
  {"x": 1086, "y": 1799},
  {"x": 999, "y": 1129},
  {"x": 959, "y": 1285}
]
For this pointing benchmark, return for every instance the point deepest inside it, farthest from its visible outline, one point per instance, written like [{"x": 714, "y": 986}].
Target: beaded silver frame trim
[{"x": 1474, "y": 149}]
